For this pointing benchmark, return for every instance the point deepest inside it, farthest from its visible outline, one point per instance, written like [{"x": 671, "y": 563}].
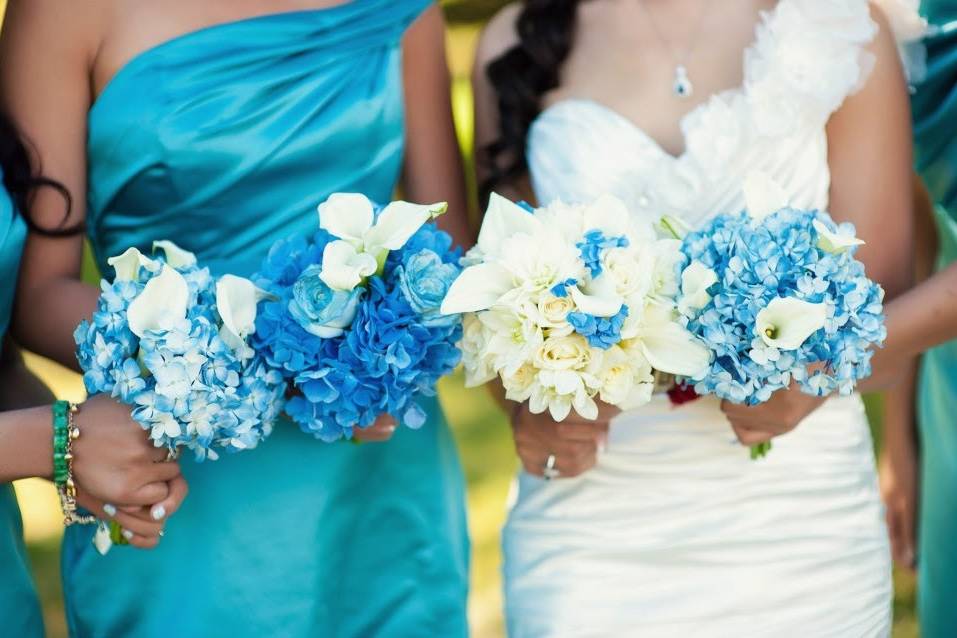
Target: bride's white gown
[{"x": 676, "y": 532}]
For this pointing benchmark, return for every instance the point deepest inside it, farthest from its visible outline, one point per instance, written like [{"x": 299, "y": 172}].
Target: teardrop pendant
[{"x": 682, "y": 86}]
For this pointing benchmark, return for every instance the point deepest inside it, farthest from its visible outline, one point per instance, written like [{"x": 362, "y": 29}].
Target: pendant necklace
[{"x": 681, "y": 86}]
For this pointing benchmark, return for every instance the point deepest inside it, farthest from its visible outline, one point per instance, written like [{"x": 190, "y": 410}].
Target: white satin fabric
[{"x": 676, "y": 532}]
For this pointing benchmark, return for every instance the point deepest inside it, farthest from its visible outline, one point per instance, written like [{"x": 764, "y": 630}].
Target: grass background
[{"x": 480, "y": 428}]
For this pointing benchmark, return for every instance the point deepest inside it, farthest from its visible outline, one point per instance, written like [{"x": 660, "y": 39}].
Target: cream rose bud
[
  {"x": 569, "y": 352},
  {"x": 552, "y": 313},
  {"x": 520, "y": 385}
]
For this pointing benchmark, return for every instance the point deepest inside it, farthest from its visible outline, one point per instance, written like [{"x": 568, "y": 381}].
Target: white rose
[
  {"x": 625, "y": 380},
  {"x": 569, "y": 352},
  {"x": 520, "y": 385},
  {"x": 477, "y": 364},
  {"x": 629, "y": 269}
]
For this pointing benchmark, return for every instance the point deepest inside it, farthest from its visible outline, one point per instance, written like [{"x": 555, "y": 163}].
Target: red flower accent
[{"x": 682, "y": 393}]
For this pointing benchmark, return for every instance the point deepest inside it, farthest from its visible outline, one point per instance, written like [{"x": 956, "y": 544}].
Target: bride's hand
[
  {"x": 379, "y": 432},
  {"x": 777, "y": 416},
  {"x": 114, "y": 460},
  {"x": 898, "y": 481},
  {"x": 574, "y": 442}
]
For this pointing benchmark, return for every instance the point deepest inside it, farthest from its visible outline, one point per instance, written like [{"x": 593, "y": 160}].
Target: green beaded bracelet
[{"x": 61, "y": 434}]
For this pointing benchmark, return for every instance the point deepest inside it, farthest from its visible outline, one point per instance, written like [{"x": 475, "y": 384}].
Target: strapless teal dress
[
  {"x": 19, "y": 608},
  {"x": 224, "y": 140},
  {"x": 935, "y": 129}
]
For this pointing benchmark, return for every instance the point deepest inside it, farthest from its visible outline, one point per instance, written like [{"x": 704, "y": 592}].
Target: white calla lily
[
  {"x": 763, "y": 195},
  {"x": 599, "y": 300},
  {"x": 672, "y": 227},
  {"x": 786, "y": 322},
  {"x": 348, "y": 216},
  {"x": 832, "y": 242},
  {"x": 175, "y": 256},
  {"x": 695, "y": 281},
  {"x": 351, "y": 218},
  {"x": 161, "y": 304},
  {"x": 398, "y": 222},
  {"x": 477, "y": 288},
  {"x": 667, "y": 345},
  {"x": 502, "y": 220},
  {"x": 343, "y": 267},
  {"x": 127, "y": 265},
  {"x": 237, "y": 299}
]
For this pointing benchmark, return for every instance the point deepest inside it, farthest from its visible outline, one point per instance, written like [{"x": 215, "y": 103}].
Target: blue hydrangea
[
  {"x": 593, "y": 245},
  {"x": 396, "y": 349},
  {"x": 601, "y": 332},
  {"x": 779, "y": 257},
  {"x": 185, "y": 386},
  {"x": 561, "y": 288}
]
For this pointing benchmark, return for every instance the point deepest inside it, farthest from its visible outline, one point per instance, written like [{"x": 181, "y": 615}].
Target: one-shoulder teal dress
[
  {"x": 224, "y": 140},
  {"x": 19, "y": 608},
  {"x": 935, "y": 130}
]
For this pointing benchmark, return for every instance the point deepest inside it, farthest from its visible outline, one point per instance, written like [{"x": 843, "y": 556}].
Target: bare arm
[
  {"x": 46, "y": 90},
  {"x": 870, "y": 157},
  {"x": 433, "y": 164},
  {"x": 899, "y": 455}
]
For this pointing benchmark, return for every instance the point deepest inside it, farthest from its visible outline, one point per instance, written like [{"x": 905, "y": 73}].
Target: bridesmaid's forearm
[
  {"x": 26, "y": 444},
  {"x": 48, "y": 314},
  {"x": 919, "y": 319}
]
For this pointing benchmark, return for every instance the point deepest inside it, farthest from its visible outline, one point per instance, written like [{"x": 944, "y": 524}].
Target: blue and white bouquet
[
  {"x": 171, "y": 342},
  {"x": 354, "y": 322},
  {"x": 777, "y": 296},
  {"x": 571, "y": 304}
]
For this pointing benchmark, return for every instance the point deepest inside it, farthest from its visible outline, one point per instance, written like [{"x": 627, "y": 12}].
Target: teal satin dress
[
  {"x": 19, "y": 608},
  {"x": 935, "y": 129},
  {"x": 224, "y": 140}
]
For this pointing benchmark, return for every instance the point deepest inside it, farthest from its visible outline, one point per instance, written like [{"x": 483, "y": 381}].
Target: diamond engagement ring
[{"x": 549, "y": 471}]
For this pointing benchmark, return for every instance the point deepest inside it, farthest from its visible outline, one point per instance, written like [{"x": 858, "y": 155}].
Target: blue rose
[
  {"x": 425, "y": 280},
  {"x": 319, "y": 309}
]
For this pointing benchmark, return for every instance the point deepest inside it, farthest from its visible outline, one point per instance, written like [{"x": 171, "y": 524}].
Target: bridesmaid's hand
[
  {"x": 898, "y": 480},
  {"x": 143, "y": 526},
  {"x": 575, "y": 442},
  {"x": 379, "y": 432},
  {"x": 114, "y": 460},
  {"x": 779, "y": 415}
]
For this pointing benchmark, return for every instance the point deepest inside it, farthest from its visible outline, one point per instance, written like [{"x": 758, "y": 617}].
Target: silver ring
[
  {"x": 162, "y": 533},
  {"x": 549, "y": 471},
  {"x": 172, "y": 455}
]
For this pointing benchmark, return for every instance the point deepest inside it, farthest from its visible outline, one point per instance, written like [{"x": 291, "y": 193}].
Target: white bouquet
[{"x": 571, "y": 303}]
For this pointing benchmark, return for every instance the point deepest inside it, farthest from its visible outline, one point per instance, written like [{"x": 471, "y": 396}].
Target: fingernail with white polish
[
  {"x": 127, "y": 534},
  {"x": 110, "y": 510},
  {"x": 158, "y": 513}
]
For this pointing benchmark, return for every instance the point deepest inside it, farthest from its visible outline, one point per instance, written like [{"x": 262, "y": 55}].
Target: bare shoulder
[
  {"x": 884, "y": 44},
  {"x": 62, "y": 25},
  {"x": 499, "y": 35}
]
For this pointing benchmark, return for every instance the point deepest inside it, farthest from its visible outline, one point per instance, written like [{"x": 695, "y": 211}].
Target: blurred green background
[{"x": 480, "y": 428}]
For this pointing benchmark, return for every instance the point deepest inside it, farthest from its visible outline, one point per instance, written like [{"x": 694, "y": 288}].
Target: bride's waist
[{"x": 660, "y": 426}]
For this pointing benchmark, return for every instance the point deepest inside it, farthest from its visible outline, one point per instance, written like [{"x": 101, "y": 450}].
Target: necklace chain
[{"x": 682, "y": 86}]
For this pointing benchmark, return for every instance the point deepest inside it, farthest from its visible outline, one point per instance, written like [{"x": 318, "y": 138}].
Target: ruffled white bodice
[{"x": 807, "y": 57}]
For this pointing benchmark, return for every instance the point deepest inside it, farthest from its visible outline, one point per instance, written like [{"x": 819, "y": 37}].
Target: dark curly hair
[
  {"x": 22, "y": 182},
  {"x": 520, "y": 77}
]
